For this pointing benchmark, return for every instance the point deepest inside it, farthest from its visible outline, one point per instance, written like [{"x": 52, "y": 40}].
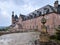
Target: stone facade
[{"x": 32, "y": 20}]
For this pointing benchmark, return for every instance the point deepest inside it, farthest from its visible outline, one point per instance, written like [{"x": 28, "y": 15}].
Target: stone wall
[
  {"x": 26, "y": 38},
  {"x": 53, "y": 20}
]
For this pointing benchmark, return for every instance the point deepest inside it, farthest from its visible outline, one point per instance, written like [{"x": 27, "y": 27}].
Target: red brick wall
[{"x": 53, "y": 20}]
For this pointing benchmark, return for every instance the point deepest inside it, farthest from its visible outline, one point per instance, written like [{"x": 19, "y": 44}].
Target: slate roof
[
  {"x": 16, "y": 17},
  {"x": 24, "y": 17},
  {"x": 39, "y": 12}
]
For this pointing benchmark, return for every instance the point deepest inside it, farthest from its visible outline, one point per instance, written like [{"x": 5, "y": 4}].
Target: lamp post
[
  {"x": 43, "y": 21},
  {"x": 44, "y": 38}
]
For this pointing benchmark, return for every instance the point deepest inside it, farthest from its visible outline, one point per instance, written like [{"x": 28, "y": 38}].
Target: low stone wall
[{"x": 26, "y": 38}]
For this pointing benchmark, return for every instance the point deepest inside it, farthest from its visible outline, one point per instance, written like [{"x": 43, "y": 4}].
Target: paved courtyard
[{"x": 26, "y": 38}]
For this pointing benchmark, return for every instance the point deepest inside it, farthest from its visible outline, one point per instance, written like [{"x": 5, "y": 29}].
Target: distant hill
[{"x": 1, "y": 27}]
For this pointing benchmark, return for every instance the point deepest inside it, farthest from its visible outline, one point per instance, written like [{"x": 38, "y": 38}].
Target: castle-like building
[{"x": 32, "y": 20}]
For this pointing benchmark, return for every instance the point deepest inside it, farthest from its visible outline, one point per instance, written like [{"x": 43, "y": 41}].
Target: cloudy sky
[{"x": 19, "y": 6}]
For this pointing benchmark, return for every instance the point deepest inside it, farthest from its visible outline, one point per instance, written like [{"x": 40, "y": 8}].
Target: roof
[
  {"x": 16, "y": 17},
  {"x": 39, "y": 12}
]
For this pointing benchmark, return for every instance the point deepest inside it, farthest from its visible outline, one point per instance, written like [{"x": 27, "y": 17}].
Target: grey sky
[{"x": 19, "y": 6}]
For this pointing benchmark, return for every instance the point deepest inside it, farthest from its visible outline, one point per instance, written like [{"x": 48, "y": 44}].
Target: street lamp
[
  {"x": 43, "y": 20},
  {"x": 44, "y": 28},
  {"x": 44, "y": 37}
]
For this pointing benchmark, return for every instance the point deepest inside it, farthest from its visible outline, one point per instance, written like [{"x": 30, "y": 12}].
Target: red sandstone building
[{"x": 33, "y": 20}]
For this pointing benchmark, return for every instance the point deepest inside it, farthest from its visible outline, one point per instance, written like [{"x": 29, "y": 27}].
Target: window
[
  {"x": 37, "y": 26},
  {"x": 40, "y": 14},
  {"x": 31, "y": 16},
  {"x": 46, "y": 10},
  {"x": 58, "y": 9},
  {"x": 30, "y": 27},
  {"x": 33, "y": 27},
  {"x": 34, "y": 14}
]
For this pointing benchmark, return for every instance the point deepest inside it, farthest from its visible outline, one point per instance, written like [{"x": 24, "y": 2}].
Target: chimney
[{"x": 56, "y": 3}]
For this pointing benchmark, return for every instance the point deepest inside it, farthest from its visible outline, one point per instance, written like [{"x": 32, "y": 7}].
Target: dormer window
[
  {"x": 24, "y": 18},
  {"x": 40, "y": 14},
  {"x": 46, "y": 10},
  {"x": 30, "y": 16},
  {"x": 37, "y": 11},
  {"x": 34, "y": 14},
  {"x": 58, "y": 9}
]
